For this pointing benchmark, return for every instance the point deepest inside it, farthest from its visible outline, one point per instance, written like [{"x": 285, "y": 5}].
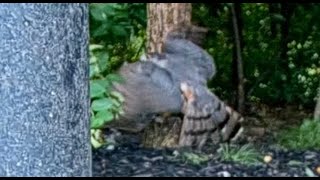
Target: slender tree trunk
[
  {"x": 44, "y": 90},
  {"x": 317, "y": 109},
  {"x": 235, "y": 11},
  {"x": 286, "y": 12},
  {"x": 273, "y": 25}
]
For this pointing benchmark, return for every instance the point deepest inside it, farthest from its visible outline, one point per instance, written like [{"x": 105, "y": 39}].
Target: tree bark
[
  {"x": 235, "y": 11},
  {"x": 161, "y": 16},
  {"x": 286, "y": 11},
  {"x": 317, "y": 109},
  {"x": 273, "y": 25},
  {"x": 44, "y": 90}
]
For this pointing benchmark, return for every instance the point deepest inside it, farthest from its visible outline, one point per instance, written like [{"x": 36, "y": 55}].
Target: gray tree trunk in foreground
[{"x": 44, "y": 101}]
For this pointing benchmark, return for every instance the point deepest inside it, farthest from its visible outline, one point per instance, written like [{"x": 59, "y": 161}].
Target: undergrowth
[
  {"x": 245, "y": 154},
  {"x": 305, "y": 136}
]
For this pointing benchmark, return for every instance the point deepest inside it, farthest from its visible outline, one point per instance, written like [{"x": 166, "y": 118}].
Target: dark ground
[
  {"x": 128, "y": 159},
  {"x": 131, "y": 160}
]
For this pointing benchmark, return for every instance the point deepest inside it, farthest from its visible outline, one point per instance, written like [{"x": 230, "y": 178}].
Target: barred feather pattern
[{"x": 206, "y": 119}]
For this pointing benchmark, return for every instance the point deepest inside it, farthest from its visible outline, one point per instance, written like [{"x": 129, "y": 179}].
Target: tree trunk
[
  {"x": 317, "y": 109},
  {"x": 161, "y": 16},
  {"x": 273, "y": 24},
  {"x": 286, "y": 12},
  {"x": 284, "y": 34},
  {"x": 235, "y": 11},
  {"x": 44, "y": 90}
]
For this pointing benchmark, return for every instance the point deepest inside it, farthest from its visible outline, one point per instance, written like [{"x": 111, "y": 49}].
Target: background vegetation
[{"x": 281, "y": 45}]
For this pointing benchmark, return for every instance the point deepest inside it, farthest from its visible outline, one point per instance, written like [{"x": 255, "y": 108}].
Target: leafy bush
[
  {"x": 119, "y": 28},
  {"x": 269, "y": 78},
  {"x": 105, "y": 104},
  {"x": 306, "y": 136},
  {"x": 111, "y": 23},
  {"x": 117, "y": 34}
]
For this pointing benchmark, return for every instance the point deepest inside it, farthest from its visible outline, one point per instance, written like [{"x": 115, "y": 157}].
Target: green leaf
[
  {"x": 101, "y": 118},
  {"x": 103, "y": 58},
  {"x": 97, "y": 138},
  {"x": 104, "y": 83},
  {"x": 96, "y": 144},
  {"x": 96, "y": 90},
  {"x": 278, "y": 17},
  {"x": 93, "y": 71},
  {"x": 98, "y": 15},
  {"x": 101, "y": 104},
  {"x": 195, "y": 158},
  {"x": 119, "y": 31},
  {"x": 115, "y": 102},
  {"x": 101, "y": 30},
  {"x": 93, "y": 47},
  {"x": 117, "y": 95},
  {"x": 100, "y": 12},
  {"x": 93, "y": 59},
  {"x": 115, "y": 78},
  {"x": 107, "y": 116},
  {"x": 121, "y": 112}
]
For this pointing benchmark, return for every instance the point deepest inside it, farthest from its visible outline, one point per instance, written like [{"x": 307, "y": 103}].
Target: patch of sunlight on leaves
[{"x": 96, "y": 138}]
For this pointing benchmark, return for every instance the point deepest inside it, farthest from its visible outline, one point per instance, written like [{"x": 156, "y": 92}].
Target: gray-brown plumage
[
  {"x": 183, "y": 57},
  {"x": 158, "y": 86},
  {"x": 148, "y": 90},
  {"x": 204, "y": 115}
]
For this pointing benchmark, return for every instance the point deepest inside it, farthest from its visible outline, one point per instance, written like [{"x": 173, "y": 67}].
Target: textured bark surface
[
  {"x": 286, "y": 10},
  {"x": 44, "y": 90},
  {"x": 317, "y": 109},
  {"x": 160, "y": 18},
  {"x": 235, "y": 11}
]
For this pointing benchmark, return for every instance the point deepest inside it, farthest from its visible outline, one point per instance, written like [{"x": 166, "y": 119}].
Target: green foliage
[
  {"x": 115, "y": 22},
  {"x": 117, "y": 34},
  {"x": 105, "y": 104},
  {"x": 245, "y": 154},
  {"x": 269, "y": 78},
  {"x": 96, "y": 138},
  {"x": 194, "y": 158},
  {"x": 189, "y": 157},
  {"x": 306, "y": 136}
]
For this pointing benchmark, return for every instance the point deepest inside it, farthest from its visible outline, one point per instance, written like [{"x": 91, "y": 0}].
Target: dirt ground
[{"x": 262, "y": 122}]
